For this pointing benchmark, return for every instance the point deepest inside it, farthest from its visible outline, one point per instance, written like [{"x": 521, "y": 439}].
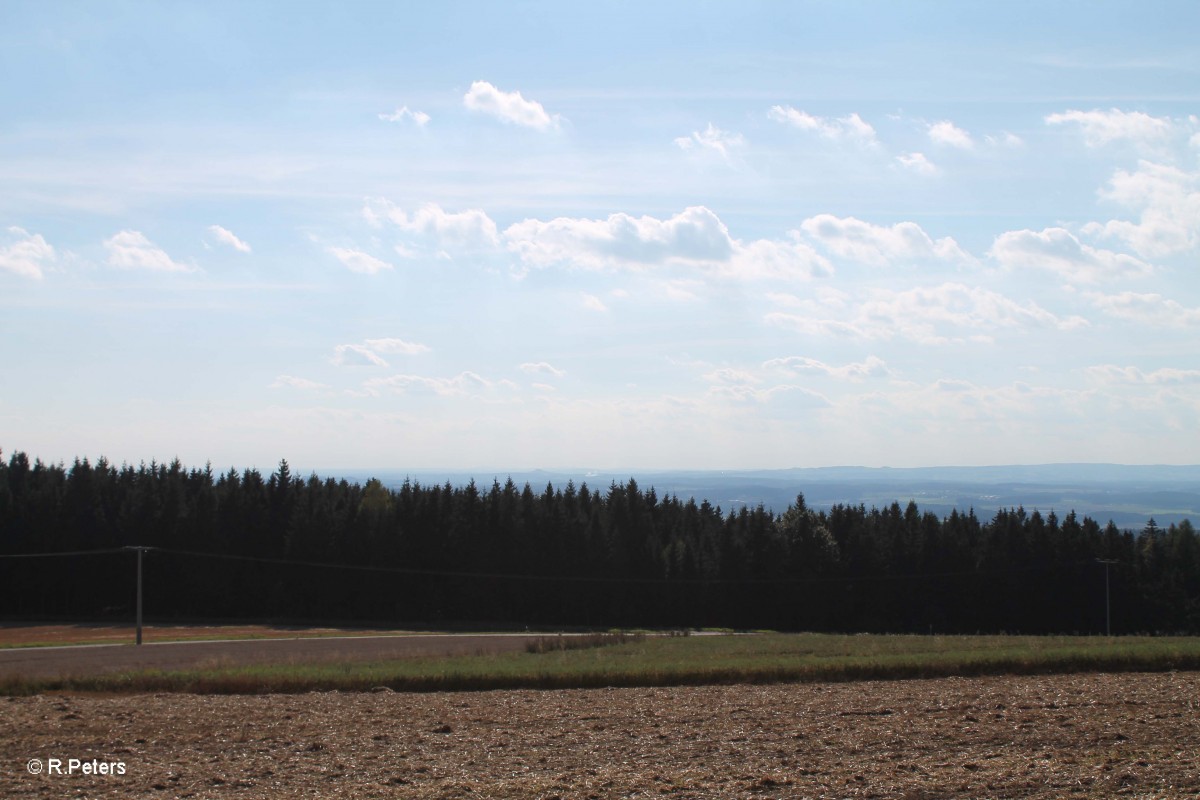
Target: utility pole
[
  {"x": 139, "y": 550},
  {"x": 1107, "y": 562}
]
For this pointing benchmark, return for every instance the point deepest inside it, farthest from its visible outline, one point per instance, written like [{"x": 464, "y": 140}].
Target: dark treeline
[{"x": 569, "y": 555}]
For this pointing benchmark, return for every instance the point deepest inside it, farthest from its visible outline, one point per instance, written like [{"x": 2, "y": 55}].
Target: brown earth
[{"x": 1135, "y": 735}]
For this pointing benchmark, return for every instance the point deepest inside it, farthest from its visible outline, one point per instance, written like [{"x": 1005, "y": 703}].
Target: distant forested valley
[{"x": 241, "y": 545}]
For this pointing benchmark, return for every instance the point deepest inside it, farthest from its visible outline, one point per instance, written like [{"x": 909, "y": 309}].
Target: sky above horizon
[{"x": 607, "y": 235}]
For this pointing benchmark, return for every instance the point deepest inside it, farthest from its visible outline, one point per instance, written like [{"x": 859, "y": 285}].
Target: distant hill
[{"x": 1129, "y": 495}]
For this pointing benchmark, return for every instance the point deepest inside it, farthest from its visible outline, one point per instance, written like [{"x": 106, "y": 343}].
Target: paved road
[{"x": 96, "y": 659}]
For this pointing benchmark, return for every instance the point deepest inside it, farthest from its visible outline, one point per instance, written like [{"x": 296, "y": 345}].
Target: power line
[
  {"x": 560, "y": 578},
  {"x": 68, "y": 553}
]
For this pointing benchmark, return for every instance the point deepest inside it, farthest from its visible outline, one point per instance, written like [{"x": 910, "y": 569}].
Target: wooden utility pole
[
  {"x": 1107, "y": 562},
  {"x": 139, "y": 550}
]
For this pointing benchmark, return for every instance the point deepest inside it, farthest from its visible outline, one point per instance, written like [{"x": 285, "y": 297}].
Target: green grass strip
[{"x": 678, "y": 661}]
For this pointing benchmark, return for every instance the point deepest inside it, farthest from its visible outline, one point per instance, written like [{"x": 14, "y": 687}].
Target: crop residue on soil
[{"x": 1134, "y": 735}]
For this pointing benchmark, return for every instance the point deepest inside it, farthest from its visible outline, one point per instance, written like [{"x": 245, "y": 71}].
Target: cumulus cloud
[
  {"x": 1147, "y": 309},
  {"x": 289, "y": 381},
  {"x": 731, "y": 376},
  {"x": 879, "y": 245},
  {"x": 949, "y": 134},
  {"x": 1104, "y": 127},
  {"x": 918, "y": 163},
  {"x": 1111, "y": 373},
  {"x": 356, "y": 355},
  {"x": 132, "y": 250},
  {"x": 1004, "y": 139},
  {"x": 1168, "y": 201},
  {"x": 950, "y": 312},
  {"x": 712, "y": 139},
  {"x": 508, "y": 107},
  {"x": 811, "y": 325},
  {"x": 789, "y": 394},
  {"x": 696, "y": 234},
  {"x": 368, "y": 353},
  {"x": 457, "y": 230},
  {"x": 872, "y": 367},
  {"x": 464, "y": 384},
  {"x": 849, "y": 128},
  {"x": 924, "y": 314},
  {"x": 695, "y": 237},
  {"x": 1057, "y": 250},
  {"x": 358, "y": 261},
  {"x": 592, "y": 303},
  {"x": 26, "y": 254},
  {"x": 226, "y": 236},
  {"x": 419, "y": 118},
  {"x": 399, "y": 346},
  {"x": 541, "y": 368}
]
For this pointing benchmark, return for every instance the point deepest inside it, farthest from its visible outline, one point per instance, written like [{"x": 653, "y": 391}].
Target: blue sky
[{"x": 610, "y": 235}]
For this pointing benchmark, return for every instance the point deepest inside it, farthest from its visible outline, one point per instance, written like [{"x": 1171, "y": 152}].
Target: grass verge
[{"x": 663, "y": 661}]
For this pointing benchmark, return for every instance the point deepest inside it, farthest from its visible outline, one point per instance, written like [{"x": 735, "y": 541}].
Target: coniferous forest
[{"x": 240, "y": 545}]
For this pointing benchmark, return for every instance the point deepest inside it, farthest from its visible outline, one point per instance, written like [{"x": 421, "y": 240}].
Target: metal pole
[{"x": 140, "y": 550}]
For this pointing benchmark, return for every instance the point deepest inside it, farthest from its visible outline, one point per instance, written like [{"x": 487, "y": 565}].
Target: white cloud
[
  {"x": 1168, "y": 200},
  {"x": 1111, "y": 373},
  {"x": 949, "y": 134},
  {"x": 787, "y": 394},
  {"x": 296, "y": 383},
  {"x": 879, "y": 245},
  {"x": 730, "y": 375},
  {"x": 396, "y": 346},
  {"x": 933, "y": 315},
  {"x": 1004, "y": 139},
  {"x": 593, "y": 303},
  {"x": 848, "y": 128},
  {"x": 132, "y": 250},
  {"x": 695, "y": 237},
  {"x": 1104, "y": 127},
  {"x": 28, "y": 255},
  {"x": 813, "y": 326},
  {"x": 872, "y": 367},
  {"x": 464, "y": 384},
  {"x": 923, "y": 313},
  {"x": 714, "y": 139},
  {"x": 226, "y": 236},
  {"x": 1057, "y": 250},
  {"x": 461, "y": 230},
  {"x": 356, "y": 355},
  {"x": 540, "y": 368},
  {"x": 918, "y": 163},
  {"x": 508, "y": 107},
  {"x": 1148, "y": 309},
  {"x": 358, "y": 261},
  {"x": 770, "y": 258},
  {"x": 420, "y": 118}
]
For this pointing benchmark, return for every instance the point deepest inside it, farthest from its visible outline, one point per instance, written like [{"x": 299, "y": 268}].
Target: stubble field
[{"x": 1086, "y": 735}]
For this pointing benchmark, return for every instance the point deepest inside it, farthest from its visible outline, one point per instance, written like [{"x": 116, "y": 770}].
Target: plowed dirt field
[{"x": 1128, "y": 735}]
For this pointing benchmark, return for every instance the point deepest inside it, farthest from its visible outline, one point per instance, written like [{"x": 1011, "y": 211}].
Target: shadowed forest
[{"x": 240, "y": 545}]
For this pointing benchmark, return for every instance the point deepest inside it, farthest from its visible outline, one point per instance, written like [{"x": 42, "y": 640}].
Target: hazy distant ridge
[{"x": 1127, "y": 494}]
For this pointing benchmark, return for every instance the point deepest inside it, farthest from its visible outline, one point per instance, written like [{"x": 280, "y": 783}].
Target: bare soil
[{"x": 1135, "y": 735}]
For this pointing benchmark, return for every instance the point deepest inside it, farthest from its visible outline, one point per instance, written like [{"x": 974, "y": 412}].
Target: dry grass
[
  {"x": 35, "y": 635},
  {"x": 590, "y": 641}
]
